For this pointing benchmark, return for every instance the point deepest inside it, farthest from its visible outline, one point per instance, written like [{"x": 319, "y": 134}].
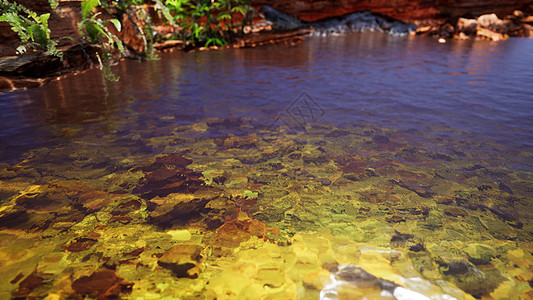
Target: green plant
[
  {"x": 128, "y": 11},
  {"x": 209, "y": 22},
  {"x": 163, "y": 9},
  {"x": 31, "y": 28},
  {"x": 53, "y": 4},
  {"x": 105, "y": 66},
  {"x": 147, "y": 33},
  {"x": 95, "y": 31}
]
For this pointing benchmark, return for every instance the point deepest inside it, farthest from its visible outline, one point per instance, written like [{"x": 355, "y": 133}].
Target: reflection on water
[
  {"x": 370, "y": 77},
  {"x": 347, "y": 166}
]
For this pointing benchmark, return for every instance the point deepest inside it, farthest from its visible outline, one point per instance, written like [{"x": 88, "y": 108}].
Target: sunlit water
[{"x": 410, "y": 130}]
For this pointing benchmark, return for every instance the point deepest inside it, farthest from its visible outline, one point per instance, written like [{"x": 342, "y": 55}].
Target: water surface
[{"x": 416, "y": 156}]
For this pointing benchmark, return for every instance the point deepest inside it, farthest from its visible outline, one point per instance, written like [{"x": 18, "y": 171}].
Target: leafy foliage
[
  {"x": 164, "y": 10},
  {"x": 198, "y": 23},
  {"x": 53, "y": 4},
  {"x": 31, "y": 28},
  {"x": 209, "y": 22},
  {"x": 95, "y": 31}
]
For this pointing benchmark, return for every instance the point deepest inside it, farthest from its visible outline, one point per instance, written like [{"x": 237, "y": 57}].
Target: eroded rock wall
[{"x": 417, "y": 11}]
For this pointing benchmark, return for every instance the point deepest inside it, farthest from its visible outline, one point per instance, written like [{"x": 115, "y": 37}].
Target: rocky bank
[{"x": 418, "y": 12}]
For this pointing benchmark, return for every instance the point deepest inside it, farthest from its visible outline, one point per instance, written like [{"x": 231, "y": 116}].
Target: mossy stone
[{"x": 479, "y": 254}]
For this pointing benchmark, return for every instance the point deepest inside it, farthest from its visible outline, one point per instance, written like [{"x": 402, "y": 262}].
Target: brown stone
[
  {"x": 175, "y": 210},
  {"x": 95, "y": 199},
  {"x": 135, "y": 252},
  {"x": 232, "y": 233},
  {"x": 493, "y": 23},
  {"x": 462, "y": 36},
  {"x": 424, "y": 30},
  {"x": 446, "y": 199},
  {"x": 489, "y": 34},
  {"x": 17, "y": 278},
  {"x": 168, "y": 45},
  {"x": 135, "y": 204},
  {"x": 174, "y": 160},
  {"x": 246, "y": 204},
  {"x": 182, "y": 260},
  {"x": 395, "y": 219},
  {"x": 414, "y": 178},
  {"x": 272, "y": 37},
  {"x": 168, "y": 175},
  {"x": 528, "y": 19},
  {"x": 455, "y": 212},
  {"x": 467, "y": 26},
  {"x": 102, "y": 284},
  {"x": 35, "y": 70},
  {"x": 355, "y": 167},
  {"x": 29, "y": 283},
  {"x": 80, "y": 244}
]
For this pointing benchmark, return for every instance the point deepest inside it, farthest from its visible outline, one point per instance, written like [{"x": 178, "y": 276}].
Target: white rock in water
[{"x": 404, "y": 294}]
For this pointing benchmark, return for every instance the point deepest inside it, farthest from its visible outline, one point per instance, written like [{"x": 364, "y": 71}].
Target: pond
[{"x": 346, "y": 166}]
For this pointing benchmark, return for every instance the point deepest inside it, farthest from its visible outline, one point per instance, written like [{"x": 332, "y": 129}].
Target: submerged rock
[
  {"x": 480, "y": 254},
  {"x": 232, "y": 233},
  {"x": 354, "y": 282},
  {"x": 470, "y": 279},
  {"x": 361, "y": 278},
  {"x": 304, "y": 213},
  {"x": 177, "y": 209},
  {"x": 168, "y": 174},
  {"x": 80, "y": 244},
  {"x": 101, "y": 284},
  {"x": 27, "y": 285},
  {"x": 182, "y": 260}
]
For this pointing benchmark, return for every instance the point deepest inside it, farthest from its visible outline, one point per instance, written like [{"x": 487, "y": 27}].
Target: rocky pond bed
[{"x": 226, "y": 209}]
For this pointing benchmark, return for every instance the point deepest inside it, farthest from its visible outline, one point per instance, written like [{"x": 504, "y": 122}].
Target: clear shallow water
[
  {"x": 475, "y": 86},
  {"x": 402, "y": 150}
]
